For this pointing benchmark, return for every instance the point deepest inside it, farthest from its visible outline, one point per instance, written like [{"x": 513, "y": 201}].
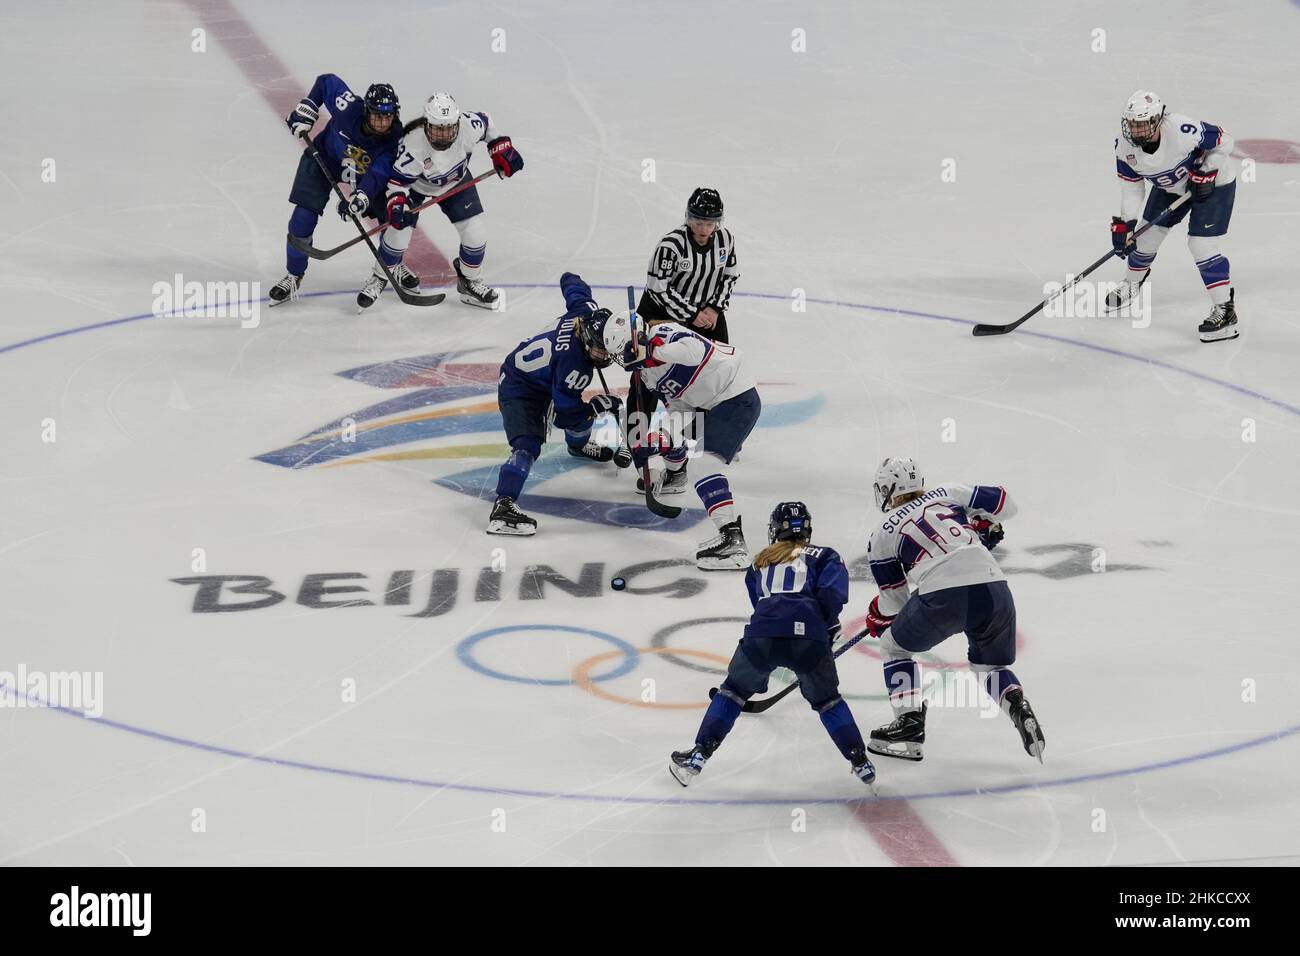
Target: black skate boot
[
  {"x": 370, "y": 292},
  {"x": 475, "y": 291},
  {"x": 1124, "y": 293},
  {"x": 406, "y": 277},
  {"x": 592, "y": 452},
  {"x": 286, "y": 290},
  {"x": 674, "y": 482},
  {"x": 725, "y": 551},
  {"x": 507, "y": 519},
  {"x": 903, "y": 738},
  {"x": 1031, "y": 735},
  {"x": 686, "y": 765},
  {"x": 1220, "y": 325},
  {"x": 862, "y": 767}
]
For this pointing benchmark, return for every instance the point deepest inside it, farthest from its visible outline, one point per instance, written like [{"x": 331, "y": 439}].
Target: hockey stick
[
  {"x": 622, "y": 457},
  {"x": 758, "y": 706},
  {"x": 982, "y": 329},
  {"x": 306, "y": 248},
  {"x": 651, "y": 502},
  {"x": 410, "y": 298}
]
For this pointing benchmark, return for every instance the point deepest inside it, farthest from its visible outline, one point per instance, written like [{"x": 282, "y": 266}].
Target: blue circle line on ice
[
  {"x": 837, "y": 303},
  {"x": 578, "y": 795},
  {"x": 768, "y": 801},
  {"x": 465, "y": 651}
]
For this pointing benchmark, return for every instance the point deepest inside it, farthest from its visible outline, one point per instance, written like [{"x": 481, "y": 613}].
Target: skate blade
[
  {"x": 681, "y": 774},
  {"x": 1036, "y": 744},
  {"x": 870, "y": 782},
  {"x": 906, "y": 751},
  {"x": 274, "y": 302},
  {"x": 740, "y": 563},
  {"x": 478, "y": 304},
  {"x": 1227, "y": 335},
  {"x": 500, "y": 527}
]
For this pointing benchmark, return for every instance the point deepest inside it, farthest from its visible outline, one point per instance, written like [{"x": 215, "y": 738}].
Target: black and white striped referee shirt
[{"x": 684, "y": 277}]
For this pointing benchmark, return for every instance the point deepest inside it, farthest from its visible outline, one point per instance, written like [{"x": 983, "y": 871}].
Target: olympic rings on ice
[{"x": 581, "y": 677}]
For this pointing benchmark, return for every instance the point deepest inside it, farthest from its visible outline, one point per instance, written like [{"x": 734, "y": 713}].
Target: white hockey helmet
[
  {"x": 442, "y": 120},
  {"x": 618, "y": 337},
  {"x": 1141, "y": 117},
  {"x": 894, "y": 477}
]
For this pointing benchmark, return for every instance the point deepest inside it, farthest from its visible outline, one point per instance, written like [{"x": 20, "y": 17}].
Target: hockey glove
[
  {"x": 656, "y": 443},
  {"x": 990, "y": 532},
  {"x": 1201, "y": 183},
  {"x": 650, "y": 346},
  {"x": 605, "y": 405},
  {"x": 876, "y": 621},
  {"x": 1119, "y": 235},
  {"x": 357, "y": 205},
  {"x": 302, "y": 119},
  {"x": 505, "y": 157},
  {"x": 400, "y": 213}
]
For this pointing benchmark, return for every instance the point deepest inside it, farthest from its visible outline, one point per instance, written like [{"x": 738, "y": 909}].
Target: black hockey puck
[{"x": 618, "y": 584}]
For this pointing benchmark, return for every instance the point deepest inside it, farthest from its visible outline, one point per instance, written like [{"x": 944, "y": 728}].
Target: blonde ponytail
[{"x": 779, "y": 552}]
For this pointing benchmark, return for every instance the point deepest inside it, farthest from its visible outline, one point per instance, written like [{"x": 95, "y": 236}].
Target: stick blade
[
  {"x": 307, "y": 249},
  {"x": 416, "y": 298},
  {"x": 981, "y": 329}
]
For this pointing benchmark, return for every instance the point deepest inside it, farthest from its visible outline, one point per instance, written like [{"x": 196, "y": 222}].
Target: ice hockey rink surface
[{"x": 422, "y": 693}]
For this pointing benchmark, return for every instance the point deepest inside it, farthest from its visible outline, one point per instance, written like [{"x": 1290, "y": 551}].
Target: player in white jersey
[
  {"x": 692, "y": 375},
  {"x": 1176, "y": 154},
  {"x": 433, "y": 159},
  {"x": 936, "y": 543}
]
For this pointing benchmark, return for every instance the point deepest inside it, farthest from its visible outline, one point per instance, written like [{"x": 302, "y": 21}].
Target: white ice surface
[{"x": 1115, "y": 438}]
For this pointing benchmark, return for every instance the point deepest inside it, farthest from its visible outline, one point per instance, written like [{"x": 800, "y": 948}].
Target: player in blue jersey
[
  {"x": 543, "y": 378},
  {"x": 936, "y": 543},
  {"x": 358, "y": 144},
  {"x": 797, "y": 590}
]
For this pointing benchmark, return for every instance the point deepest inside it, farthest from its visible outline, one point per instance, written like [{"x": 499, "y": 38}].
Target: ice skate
[
  {"x": 863, "y": 769},
  {"x": 673, "y": 483},
  {"x": 286, "y": 290},
  {"x": 370, "y": 292},
  {"x": 507, "y": 519},
  {"x": 725, "y": 551},
  {"x": 1031, "y": 735},
  {"x": 592, "y": 452},
  {"x": 1221, "y": 324},
  {"x": 686, "y": 765},
  {"x": 406, "y": 277},
  {"x": 902, "y": 738},
  {"x": 1124, "y": 293},
  {"x": 474, "y": 291}
]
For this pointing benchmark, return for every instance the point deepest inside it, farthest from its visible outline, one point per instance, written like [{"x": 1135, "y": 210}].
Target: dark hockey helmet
[
  {"x": 591, "y": 332},
  {"x": 381, "y": 100},
  {"x": 705, "y": 204},
  {"x": 790, "y": 521}
]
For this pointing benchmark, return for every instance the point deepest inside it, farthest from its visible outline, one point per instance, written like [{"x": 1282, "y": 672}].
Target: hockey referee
[{"x": 691, "y": 275}]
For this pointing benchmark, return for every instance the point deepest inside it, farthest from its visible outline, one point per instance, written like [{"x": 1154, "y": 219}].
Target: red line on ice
[
  {"x": 270, "y": 77},
  {"x": 901, "y": 833}
]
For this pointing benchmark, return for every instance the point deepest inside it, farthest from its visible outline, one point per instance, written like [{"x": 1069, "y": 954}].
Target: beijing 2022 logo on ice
[{"x": 445, "y": 400}]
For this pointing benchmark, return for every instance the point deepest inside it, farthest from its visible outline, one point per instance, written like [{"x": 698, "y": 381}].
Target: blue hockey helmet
[
  {"x": 381, "y": 100},
  {"x": 790, "y": 521}
]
